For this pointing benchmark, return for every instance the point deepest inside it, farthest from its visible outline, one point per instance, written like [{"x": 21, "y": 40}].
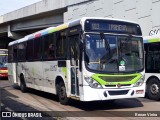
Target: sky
[{"x": 11, "y": 5}]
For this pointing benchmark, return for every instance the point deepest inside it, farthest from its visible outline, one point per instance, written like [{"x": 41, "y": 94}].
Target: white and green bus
[
  {"x": 88, "y": 59},
  {"x": 152, "y": 66}
]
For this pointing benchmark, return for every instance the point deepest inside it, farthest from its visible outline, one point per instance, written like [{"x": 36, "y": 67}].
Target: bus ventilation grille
[
  {"x": 120, "y": 92},
  {"x": 122, "y": 85},
  {"x": 117, "y": 78}
]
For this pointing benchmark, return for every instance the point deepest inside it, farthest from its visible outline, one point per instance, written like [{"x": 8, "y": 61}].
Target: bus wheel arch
[
  {"x": 61, "y": 90},
  {"x": 23, "y": 86},
  {"x": 153, "y": 88}
]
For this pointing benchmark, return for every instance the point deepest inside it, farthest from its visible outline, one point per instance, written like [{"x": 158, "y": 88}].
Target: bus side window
[
  {"x": 29, "y": 50},
  {"x": 61, "y": 44},
  {"x": 49, "y": 47},
  {"x": 10, "y": 54},
  {"x": 74, "y": 50},
  {"x": 14, "y": 53},
  {"x": 37, "y": 49},
  {"x": 21, "y": 53}
]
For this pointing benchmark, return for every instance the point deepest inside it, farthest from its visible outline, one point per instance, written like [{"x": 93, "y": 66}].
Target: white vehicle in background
[
  {"x": 88, "y": 59},
  {"x": 152, "y": 66}
]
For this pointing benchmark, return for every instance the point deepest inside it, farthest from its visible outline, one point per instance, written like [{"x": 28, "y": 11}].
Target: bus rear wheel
[
  {"x": 62, "y": 95},
  {"x": 153, "y": 89},
  {"x": 23, "y": 84}
]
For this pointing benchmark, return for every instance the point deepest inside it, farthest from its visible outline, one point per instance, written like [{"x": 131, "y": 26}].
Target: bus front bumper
[{"x": 91, "y": 94}]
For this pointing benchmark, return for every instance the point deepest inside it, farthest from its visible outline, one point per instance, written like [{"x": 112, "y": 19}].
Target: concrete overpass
[{"x": 46, "y": 13}]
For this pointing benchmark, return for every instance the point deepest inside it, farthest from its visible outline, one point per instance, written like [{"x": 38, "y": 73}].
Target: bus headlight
[
  {"x": 92, "y": 83},
  {"x": 139, "y": 82}
]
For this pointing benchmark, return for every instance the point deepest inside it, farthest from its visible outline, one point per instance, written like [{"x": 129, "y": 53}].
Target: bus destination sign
[{"x": 112, "y": 27}]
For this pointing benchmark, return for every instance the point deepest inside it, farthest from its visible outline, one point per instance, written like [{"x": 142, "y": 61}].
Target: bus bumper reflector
[{"x": 139, "y": 91}]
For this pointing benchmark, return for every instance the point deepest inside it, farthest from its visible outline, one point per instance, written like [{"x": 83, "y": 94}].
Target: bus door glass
[
  {"x": 15, "y": 64},
  {"x": 74, "y": 53}
]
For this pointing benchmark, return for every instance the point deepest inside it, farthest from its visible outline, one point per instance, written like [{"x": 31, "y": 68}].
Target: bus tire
[
  {"x": 23, "y": 86},
  {"x": 153, "y": 89},
  {"x": 15, "y": 86},
  {"x": 110, "y": 101},
  {"x": 62, "y": 95}
]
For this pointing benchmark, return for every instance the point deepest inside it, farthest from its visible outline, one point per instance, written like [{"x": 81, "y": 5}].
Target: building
[{"x": 48, "y": 13}]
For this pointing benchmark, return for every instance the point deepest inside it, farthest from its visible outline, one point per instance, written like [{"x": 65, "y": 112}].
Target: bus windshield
[
  {"x": 113, "y": 53},
  {"x": 3, "y": 61}
]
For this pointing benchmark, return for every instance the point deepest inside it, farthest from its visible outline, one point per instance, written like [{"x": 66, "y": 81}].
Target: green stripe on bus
[
  {"x": 103, "y": 82},
  {"x": 154, "y": 40},
  {"x": 52, "y": 30},
  {"x": 64, "y": 69},
  {"x": 58, "y": 28}
]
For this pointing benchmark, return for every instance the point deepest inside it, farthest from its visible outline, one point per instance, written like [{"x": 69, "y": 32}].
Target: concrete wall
[
  {"x": 41, "y": 7},
  {"x": 40, "y": 15},
  {"x": 29, "y": 19},
  {"x": 145, "y": 12},
  {"x": 41, "y": 22},
  {"x": 34, "y": 9}
]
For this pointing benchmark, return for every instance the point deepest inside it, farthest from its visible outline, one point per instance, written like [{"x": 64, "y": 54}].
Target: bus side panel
[
  {"x": 34, "y": 75},
  {"x": 20, "y": 70},
  {"x": 28, "y": 75},
  {"x": 149, "y": 75},
  {"x": 51, "y": 71},
  {"x": 68, "y": 78},
  {"x": 12, "y": 73}
]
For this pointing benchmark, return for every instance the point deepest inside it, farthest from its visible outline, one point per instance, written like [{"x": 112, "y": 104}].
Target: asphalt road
[{"x": 36, "y": 105}]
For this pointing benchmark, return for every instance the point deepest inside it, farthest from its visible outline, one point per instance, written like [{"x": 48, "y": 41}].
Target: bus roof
[
  {"x": 61, "y": 27},
  {"x": 151, "y": 39}
]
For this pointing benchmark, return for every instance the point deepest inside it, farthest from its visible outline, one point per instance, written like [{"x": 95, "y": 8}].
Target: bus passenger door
[
  {"x": 74, "y": 70},
  {"x": 15, "y": 77}
]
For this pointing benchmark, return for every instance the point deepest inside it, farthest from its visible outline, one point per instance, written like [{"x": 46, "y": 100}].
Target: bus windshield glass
[
  {"x": 113, "y": 53},
  {"x": 3, "y": 61}
]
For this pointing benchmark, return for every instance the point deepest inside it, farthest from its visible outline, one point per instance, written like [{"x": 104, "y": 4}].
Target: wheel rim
[{"x": 154, "y": 89}]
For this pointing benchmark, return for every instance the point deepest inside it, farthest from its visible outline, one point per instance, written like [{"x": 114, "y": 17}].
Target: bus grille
[
  {"x": 117, "y": 78},
  {"x": 120, "y": 92},
  {"x": 122, "y": 85}
]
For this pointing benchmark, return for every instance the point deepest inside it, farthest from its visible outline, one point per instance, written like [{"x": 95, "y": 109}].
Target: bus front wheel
[
  {"x": 62, "y": 94},
  {"x": 23, "y": 84},
  {"x": 153, "y": 89}
]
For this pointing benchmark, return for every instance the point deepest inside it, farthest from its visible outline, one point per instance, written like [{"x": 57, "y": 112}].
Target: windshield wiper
[
  {"x": 107, "y": 46},
  {"x": 106, "y": 57}
]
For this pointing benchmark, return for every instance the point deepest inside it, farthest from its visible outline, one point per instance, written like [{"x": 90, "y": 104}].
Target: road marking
[{"x": 8, "y": 109}]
